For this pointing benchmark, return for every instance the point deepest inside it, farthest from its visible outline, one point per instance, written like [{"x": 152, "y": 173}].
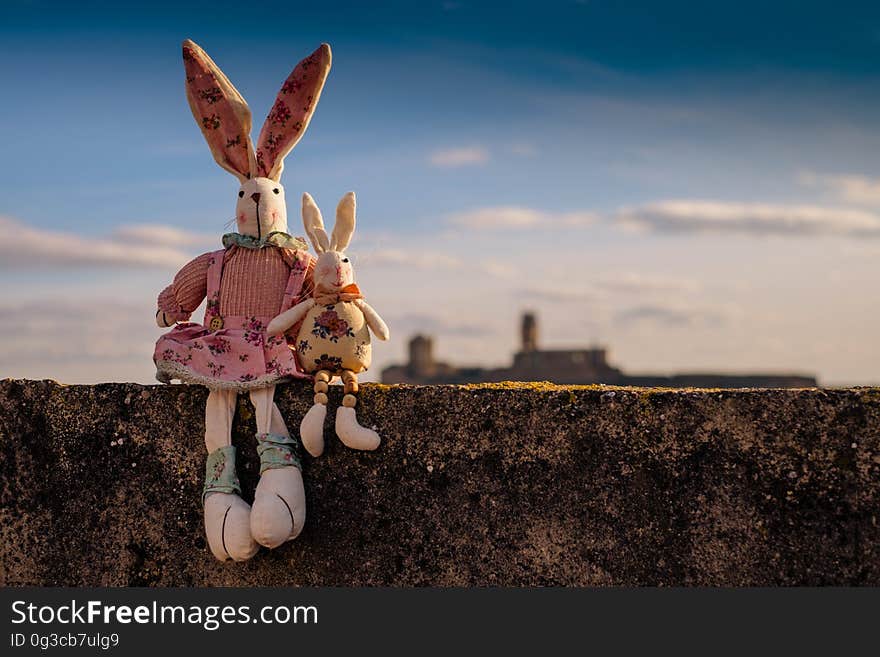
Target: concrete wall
[{"x": 488, "y": 485}]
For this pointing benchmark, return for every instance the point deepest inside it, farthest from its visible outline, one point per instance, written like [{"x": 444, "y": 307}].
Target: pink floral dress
[{"x": 232, "y": 351}]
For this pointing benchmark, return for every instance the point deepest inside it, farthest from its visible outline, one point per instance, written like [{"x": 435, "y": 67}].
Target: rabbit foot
[
  {"x": 311, "y": 430},
  {"x": 279, "y": 511},
  {"x": 228, "y": 527},
  {"x": 352, "y": 434}
]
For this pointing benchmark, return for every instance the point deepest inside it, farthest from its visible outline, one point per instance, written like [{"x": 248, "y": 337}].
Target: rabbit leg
[
  {"x": 349, "y": 431},
  {"x": 311, "y": 429},
  {"x": 279, "y": 511},
  {"x": 227, "y": 516}
]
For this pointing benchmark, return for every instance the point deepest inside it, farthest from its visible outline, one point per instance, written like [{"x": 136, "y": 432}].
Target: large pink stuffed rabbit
[{"x": 261, "y": 272}]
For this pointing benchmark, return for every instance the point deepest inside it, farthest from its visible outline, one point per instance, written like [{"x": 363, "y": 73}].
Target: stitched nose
[{"x": 256, "y": 197}]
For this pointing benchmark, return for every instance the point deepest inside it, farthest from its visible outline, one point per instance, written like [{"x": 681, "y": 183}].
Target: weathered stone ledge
[{"x": 514, "y": 484}]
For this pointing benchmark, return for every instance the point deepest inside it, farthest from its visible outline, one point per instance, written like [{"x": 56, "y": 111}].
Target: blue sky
[{"x": 697, "y": 186}]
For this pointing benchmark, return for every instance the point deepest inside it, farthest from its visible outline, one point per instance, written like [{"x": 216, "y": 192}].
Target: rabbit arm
[
  {"x": 177, "y": 301},
  {"x": 289, "y": 317},
  {"x": 376, "y": 323},
  {"x": 163, "y": 320}
]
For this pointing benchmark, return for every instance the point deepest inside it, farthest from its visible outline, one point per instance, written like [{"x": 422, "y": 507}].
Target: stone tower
[
  {"x": 421, "y": 357},
  {"x": 529, "y": 332}
]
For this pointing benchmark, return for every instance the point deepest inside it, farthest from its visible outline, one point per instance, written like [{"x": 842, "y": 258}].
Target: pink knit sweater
[{"x": 252, "y": 284}]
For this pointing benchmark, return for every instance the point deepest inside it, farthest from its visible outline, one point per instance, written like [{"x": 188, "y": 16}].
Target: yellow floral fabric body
[{"x": 334, "y": 337}]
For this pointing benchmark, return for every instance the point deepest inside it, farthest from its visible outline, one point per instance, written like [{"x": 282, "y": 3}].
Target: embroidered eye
[
  {"x": 345, "y": 260},
  {"x": 241, "y": 194},
  {"x": 276, "y": 191}
]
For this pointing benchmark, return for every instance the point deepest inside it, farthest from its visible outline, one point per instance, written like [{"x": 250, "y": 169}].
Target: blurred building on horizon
[{"x": 568, "y": 366}]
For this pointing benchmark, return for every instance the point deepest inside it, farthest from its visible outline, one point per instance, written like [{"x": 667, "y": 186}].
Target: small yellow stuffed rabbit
[{"x": 334, "y": 338}]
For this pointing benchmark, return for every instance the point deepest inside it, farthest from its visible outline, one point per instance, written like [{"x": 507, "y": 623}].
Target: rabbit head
[
  {"x": 225, "y": 120},
  {"x": 333, "y": 270}
]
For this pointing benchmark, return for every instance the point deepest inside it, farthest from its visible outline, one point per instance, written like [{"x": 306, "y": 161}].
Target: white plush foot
[
  {"x": 311, "y": 430},
  {"x": 279, "y": 511},
  {"x": 351, "y": 433},
  {"x": 228, "y": 527}
]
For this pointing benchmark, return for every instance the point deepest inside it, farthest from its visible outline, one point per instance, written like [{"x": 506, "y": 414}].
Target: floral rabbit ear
[
  {"x": 314, "y": 224},
  {"x": 220, "y": 111},
  {"x": 343, "y": 229},
  {"x": 291, "y": 113}
]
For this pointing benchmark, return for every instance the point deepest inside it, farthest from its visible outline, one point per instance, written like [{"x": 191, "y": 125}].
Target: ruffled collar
[{"x": 275, "y": 238}]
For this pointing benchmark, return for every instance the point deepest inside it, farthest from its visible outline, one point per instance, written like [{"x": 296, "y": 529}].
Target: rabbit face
[
  {"x": 261, "y": 208},
  {"x": 333, "y": 270}
]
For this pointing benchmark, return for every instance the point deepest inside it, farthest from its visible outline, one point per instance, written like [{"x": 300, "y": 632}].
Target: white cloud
[
  {"x": 519, "y": 218},
  {"x": 415, "y": 259},
  {"x": 686, "y": 216},
  {"x": 561, "y": 294},
  {"x": 635, "y": 283},
  {"x": 90, "y": 329},
  {"x": 411, "y": 323},
  {"x": 459, "y": 157},
  {"x": 497, "y": 269},
  {"x": 86, "y": 340},
  {"x": 700, "y": 216},
  {"x": 402, "y": 258},
  {"x": 669, "y": 315},
  {"x": 607, "y": 288},
  {"x": 162, "y": 235},
  {"x": 26, "y": 247},
  {"x": 861, "y": 190}
]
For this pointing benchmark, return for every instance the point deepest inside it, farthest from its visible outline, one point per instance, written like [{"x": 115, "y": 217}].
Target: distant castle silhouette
[{"x": 567, "y": 366}]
